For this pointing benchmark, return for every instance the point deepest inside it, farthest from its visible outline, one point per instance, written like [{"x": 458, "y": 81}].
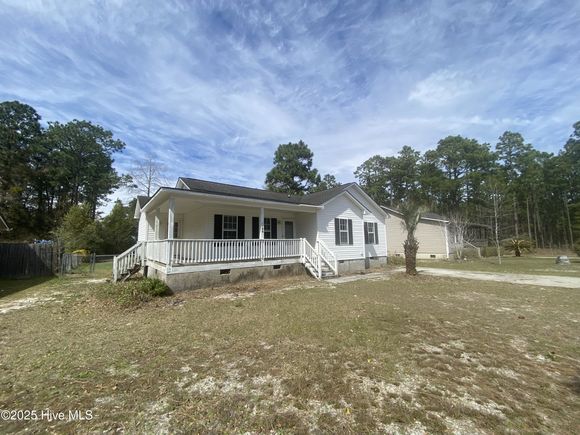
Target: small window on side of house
[
  {"x": 343, "y": 231},
  {"x": 370, "y": 229}
]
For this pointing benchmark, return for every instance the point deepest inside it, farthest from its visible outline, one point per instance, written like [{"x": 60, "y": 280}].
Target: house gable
[{"x": 354, "y": 205}]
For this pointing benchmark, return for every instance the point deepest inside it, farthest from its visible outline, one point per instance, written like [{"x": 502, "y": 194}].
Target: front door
[{"x": 288, "y": 229}]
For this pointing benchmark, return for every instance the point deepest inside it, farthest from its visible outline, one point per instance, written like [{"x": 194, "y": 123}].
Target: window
[
  {"x": 267, "y": 228},
  {"x": 230, "y": 227},
  {"x": 343, "y": 231},
  {"x": 270, "y": 228},
  {"x": 370, "y": 230},
  {"x": 371, "y": 233}
]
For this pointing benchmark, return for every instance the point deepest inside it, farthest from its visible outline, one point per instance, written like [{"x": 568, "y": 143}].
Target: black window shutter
[
  {"x": 274, "y": 228},
  {"x": 336, "y": 232},
  {"x": 350, "y": 241},
  {"x": 217, "y": 226},
  {"x": 255, "y": 228},
  {"x": 241, "y": 227},
  {"x": 366, "y": 228},
  {"x": 376, "y": 233}
]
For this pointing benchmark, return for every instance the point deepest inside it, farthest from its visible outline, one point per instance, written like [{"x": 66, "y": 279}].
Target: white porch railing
[
  {"x": 216, "y": 251},
  {"x": 156, "y": 250},
  {"x": 180, "y": 252}
]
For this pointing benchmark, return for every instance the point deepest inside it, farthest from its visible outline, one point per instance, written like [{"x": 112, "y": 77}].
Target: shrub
[
  {"x": 491, "y": 251},
  {"x": 517, "y": 246},
  {"x": 135, "y": 292},
  {"x": 154, "y": 287},
  {"x": 396, "y": 260},
  {"x": 470, "y": 253}
]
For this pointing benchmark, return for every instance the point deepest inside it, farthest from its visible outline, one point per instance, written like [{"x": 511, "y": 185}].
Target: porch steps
[
  {"x": 136, "y": 268},
  {"x": 326, "y": 271}
]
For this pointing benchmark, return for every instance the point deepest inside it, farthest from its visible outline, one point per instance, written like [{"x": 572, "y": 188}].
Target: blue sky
[{"x": 211, "y": 88}]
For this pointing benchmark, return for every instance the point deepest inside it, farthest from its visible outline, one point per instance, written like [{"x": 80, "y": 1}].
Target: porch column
[
  {"x": 262, "y": 233},
  {"x": 170, "y": 218},
  {"x": 261, "y": 223},
  {"x": 157, "y": 224}
]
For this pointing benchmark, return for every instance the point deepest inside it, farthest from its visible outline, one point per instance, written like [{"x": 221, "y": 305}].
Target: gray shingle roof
[
  {"x": 213, "y": 188},
  {"x": 142, "y": 200},
  {"x": 427, "y": 215}
]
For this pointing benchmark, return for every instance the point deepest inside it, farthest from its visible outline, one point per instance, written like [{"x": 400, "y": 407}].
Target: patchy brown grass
[{"x": 408, "y": 354}]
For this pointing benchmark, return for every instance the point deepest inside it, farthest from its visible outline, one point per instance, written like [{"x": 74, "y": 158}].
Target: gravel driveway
[{"x": 514, "y": 278}]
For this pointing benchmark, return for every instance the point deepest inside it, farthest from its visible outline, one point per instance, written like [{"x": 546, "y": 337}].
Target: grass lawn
[
  {"x": 13, "y": 289},
  {"x": 294, "y": 355},
  {"x": 529, "y": 265}
]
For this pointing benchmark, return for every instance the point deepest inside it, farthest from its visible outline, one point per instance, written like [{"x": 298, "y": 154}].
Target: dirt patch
[
  {"x": 20, "y": 304},
  {"x": 512, "y": 278}
]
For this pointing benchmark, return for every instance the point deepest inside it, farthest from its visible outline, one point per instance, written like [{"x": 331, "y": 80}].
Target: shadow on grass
[
  {"x": 574, "y": 384},
  {"x": 12, "y": 286}
]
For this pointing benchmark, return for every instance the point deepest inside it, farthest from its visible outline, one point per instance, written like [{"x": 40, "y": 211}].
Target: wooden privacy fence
[{"x": 25, "y": 260}]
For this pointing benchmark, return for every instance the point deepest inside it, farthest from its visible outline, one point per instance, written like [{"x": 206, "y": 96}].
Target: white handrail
[
  {"x": 328, "y": 256},
  {"x": 312, "y": 257},
  {"x": 125, "y": 261}
]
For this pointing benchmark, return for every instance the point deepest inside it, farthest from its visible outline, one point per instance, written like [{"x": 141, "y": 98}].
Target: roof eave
[{"x": 272, "y": 204}]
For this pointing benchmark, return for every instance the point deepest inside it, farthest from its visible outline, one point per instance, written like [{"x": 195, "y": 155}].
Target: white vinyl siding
[
  {"x": 342, "y": 207},
  {"x": 142, "y": 231},
  {"x": 305, "y": 226},
  {"x": 378, "y": 249}
]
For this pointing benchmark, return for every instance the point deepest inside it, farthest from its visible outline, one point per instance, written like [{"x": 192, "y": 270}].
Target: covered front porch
[
  {"x": 187, "y": 216},
  {"x": 183, "y": 232}
]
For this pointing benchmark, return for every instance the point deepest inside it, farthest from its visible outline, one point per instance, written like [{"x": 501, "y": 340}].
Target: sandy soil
[{"x": 544, "y": 281}]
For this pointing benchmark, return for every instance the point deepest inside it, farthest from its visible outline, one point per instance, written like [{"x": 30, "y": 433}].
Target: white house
[{"x": 201, "y": 232}]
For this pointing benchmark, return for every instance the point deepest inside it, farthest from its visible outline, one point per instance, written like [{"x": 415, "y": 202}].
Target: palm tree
[{"x": 411, "y": 212}]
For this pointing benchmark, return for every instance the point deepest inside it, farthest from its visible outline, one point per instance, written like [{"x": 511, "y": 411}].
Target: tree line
[
  {"x": 46, "y": 170},
  {"x": 54, "y": 177},
  {"x": 537, "y": 193},
  {"x": 533, "y": 194}
]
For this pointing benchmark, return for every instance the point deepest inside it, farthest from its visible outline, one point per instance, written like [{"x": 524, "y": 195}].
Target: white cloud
[{"x": 441, "y": 88}]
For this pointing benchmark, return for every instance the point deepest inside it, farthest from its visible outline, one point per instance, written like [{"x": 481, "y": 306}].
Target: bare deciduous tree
[
  {"x": 459, "y": 225},
  {"x": 148, "y": 175},
  {"x": 497, "y": 199}
]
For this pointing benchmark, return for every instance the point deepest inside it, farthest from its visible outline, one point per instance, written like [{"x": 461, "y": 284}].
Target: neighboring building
[
  {"x": 200, "y": 233},
  {"x": 432, "y": 233}
]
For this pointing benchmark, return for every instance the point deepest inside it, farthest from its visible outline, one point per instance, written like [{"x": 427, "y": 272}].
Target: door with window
[{"x": 288, "y": 229}]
